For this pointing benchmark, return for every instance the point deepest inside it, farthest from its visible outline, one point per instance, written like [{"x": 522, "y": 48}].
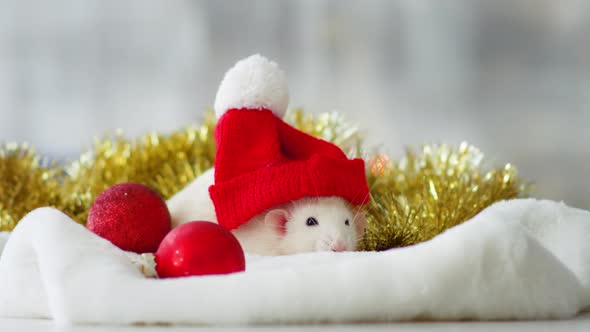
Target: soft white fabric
[
  {"x": 519, "y": 259},
  {"x": 193, "y": 201},
  {"x": 3, "y": 238},
  {"x": 253, "y": 82}
]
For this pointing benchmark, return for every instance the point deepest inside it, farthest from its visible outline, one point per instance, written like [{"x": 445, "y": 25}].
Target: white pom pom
[{"x": 254, "y": 83}]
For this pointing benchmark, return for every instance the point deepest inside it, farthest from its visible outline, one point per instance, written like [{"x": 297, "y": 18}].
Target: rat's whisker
[
  {"x": 360, "y": 210},
  {"x": 368, "y": 192}
]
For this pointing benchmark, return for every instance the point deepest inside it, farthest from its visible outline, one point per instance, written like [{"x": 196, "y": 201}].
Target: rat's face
[{"x": 322, "y": 224}]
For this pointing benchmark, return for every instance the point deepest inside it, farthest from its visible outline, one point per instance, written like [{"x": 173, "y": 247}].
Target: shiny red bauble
[
  {"x": 199, "y": 248},
  {"x": 130, "y": 215}
]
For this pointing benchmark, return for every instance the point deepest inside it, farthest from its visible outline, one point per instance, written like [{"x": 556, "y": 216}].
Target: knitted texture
[{"x": 262, "y": 162}]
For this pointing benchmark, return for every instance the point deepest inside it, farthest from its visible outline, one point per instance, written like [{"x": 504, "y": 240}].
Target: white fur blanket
[{"x": 520, "y": 259}]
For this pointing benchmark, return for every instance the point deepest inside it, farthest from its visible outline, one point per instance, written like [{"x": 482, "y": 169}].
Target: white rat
[{"x": 308, "y": 224}]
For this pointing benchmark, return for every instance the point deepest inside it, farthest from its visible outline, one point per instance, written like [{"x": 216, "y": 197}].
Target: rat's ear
[
  {"x": 360, "y": 222},
  {"x": 277, "y": 219}
]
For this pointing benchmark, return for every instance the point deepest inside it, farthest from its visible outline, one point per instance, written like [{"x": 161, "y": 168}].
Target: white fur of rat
[{"x": 305, "y": 225}]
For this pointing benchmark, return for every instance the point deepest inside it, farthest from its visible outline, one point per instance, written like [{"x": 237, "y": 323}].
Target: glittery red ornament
[
  {"x": 199, "y": 248},
  {"x": 130, "y": 215}
]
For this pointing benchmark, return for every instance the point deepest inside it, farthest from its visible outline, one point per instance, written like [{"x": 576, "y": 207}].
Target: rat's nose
[{"x": 338, "y": 246}]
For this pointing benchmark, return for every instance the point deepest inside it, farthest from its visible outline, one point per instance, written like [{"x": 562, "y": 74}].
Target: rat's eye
[
  {"x": 311, "y": 221},
  {"x": 346, "y": 222}
]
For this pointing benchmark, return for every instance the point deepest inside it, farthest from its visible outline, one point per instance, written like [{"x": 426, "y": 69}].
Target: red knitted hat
[{"x": 261, "y": 161}]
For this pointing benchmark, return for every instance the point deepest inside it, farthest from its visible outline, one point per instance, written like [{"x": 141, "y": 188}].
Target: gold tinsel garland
[
  {"x": 423, "y": 194},
  {"x": 166, "y": 163},
  {"x": 413, "y": 199},
  {"x": 25, "y": 183}
]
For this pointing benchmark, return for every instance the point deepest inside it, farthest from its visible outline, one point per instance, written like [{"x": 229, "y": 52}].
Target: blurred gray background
[{"x": 511, "y": 77}]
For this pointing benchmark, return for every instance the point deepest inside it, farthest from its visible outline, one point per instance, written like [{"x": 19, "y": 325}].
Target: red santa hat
[{"x": 261, "y": 161}]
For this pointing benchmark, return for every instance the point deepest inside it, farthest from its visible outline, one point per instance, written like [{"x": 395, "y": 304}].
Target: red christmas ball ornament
[
  {"x": 199, "y": 248},
  {"x": 130, "y": 215}
]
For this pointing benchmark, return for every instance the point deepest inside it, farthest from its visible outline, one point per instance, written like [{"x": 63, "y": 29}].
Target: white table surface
[{"x": 579, "y": 323}]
